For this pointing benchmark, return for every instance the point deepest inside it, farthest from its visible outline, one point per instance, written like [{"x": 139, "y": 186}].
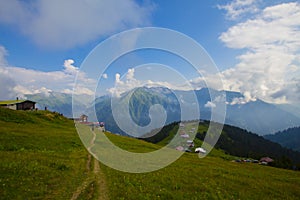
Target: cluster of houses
[
  {"x": 186, "y": 144},
  {"x": 83, "y": 119},
  {"x": 262, "y": 161}
]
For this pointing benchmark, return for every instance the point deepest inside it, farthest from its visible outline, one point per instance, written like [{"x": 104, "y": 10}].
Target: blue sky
[{"x": 254, "y": 43}]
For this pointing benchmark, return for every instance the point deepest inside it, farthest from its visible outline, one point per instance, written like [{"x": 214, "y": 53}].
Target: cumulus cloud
[
  {"x": 270, "y": 67},
  {"x": 129, "y": 82},
  {"x": 210, "y": 104},
  {"x": 122, "y": 86},
  {"x": 68, "y": 23},
  {"x": 238, "y": 8},
  {"x": 242, "y": 100},
  {"x": 70, "y": 68},
  {"x": 33, "y": 81},
  {"x": 105, "y": 76},
  {"x": 17, "y": 81}
]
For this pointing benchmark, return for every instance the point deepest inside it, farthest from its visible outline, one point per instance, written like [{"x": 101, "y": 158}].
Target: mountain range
[
  {"x": 256, "y": 116},
  {"x": 289, "y": 138}
]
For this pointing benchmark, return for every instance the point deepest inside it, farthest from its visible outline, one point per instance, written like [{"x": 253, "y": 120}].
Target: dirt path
[
  {"x": 102, "y": 187},
  {"x": 94, "y": 185}
]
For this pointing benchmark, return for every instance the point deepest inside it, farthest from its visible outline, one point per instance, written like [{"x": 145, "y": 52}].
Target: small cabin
[
  {"x": 190, "y": 143},
  {"x": 83, "y": 118},
  {"x": 18, "y": 104},
  {"x": 266, "y": 160}
]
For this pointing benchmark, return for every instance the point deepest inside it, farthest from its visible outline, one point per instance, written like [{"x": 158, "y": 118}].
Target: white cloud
[
  {"x": 122, "y": 86},
  {"x": 270, "y": 67},
  {"x": 17, "y": 81},
  {"x": 242, "y": 100},
  {"x": 210, "y": 104},
  {"x": 237, "y": 8},
  {"x": 32, "y": 81},
  {"x": 70, "y": 68},
  {"x": 68, "y": 23},
  {"x": 130, "y": 74},
  {"x": 105, "y": 76},
  {"x": 129, "y": 82}
]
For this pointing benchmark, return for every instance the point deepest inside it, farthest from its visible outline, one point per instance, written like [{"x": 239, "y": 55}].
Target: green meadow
[
  {"x": 42, "y": 157},
  {"x": 213, "y": 177}
]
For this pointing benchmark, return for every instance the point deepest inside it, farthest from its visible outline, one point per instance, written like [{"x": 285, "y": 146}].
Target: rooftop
[{"x": 12, "y": 102}]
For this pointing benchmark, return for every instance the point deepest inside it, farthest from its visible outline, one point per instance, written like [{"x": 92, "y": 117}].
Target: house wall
[
  {"x": 83, "y": 118},
  {"x": 12, "y": 106},
  {"x": 25, "y": 105}
]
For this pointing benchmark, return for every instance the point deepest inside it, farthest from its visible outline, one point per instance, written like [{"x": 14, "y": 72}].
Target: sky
[{"x": 254, "y": 44}]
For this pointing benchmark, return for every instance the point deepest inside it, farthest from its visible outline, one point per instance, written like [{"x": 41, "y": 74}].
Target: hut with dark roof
[{"x": 18, "y": 104}]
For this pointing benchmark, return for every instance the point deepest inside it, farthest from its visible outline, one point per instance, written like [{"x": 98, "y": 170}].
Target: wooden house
[
  {"x": 82, "y": 119},
  {"x": 18, "y": 104},
  {"x": 266, "y": 160}
]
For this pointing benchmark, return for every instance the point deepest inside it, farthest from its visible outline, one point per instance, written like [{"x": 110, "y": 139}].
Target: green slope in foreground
[{"x": 42, "y": 157}]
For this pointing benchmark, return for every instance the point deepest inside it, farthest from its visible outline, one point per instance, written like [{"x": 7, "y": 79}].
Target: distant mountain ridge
[
  {"x": 256, "y": 116},
  {"x": 56, "y": 101},
  {"x": 289, "y": 138}
]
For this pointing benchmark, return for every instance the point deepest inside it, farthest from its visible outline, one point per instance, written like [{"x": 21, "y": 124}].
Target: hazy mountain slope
[
  {"x": 55, "y": 101},
  {"x": 289, "y": 138},
  {"x": 260, "y": 117},
  {"x": 290, "y": 108}
]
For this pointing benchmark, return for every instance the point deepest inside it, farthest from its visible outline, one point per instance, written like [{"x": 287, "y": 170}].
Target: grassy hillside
[
  {"x": 43, "y": 158},
  {"x": 192, "y": 178},
  {"x": 236, "y": 141}
]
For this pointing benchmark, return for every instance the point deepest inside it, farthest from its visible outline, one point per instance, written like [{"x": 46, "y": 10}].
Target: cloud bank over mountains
[
  {"x": 17, "y": 81},
  {"x": 269, "y": 68}
]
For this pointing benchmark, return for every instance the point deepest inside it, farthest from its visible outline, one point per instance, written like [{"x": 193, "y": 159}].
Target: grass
[
  {"x": 42, "y": 157},
  {"x": 209, "y": 178}
]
